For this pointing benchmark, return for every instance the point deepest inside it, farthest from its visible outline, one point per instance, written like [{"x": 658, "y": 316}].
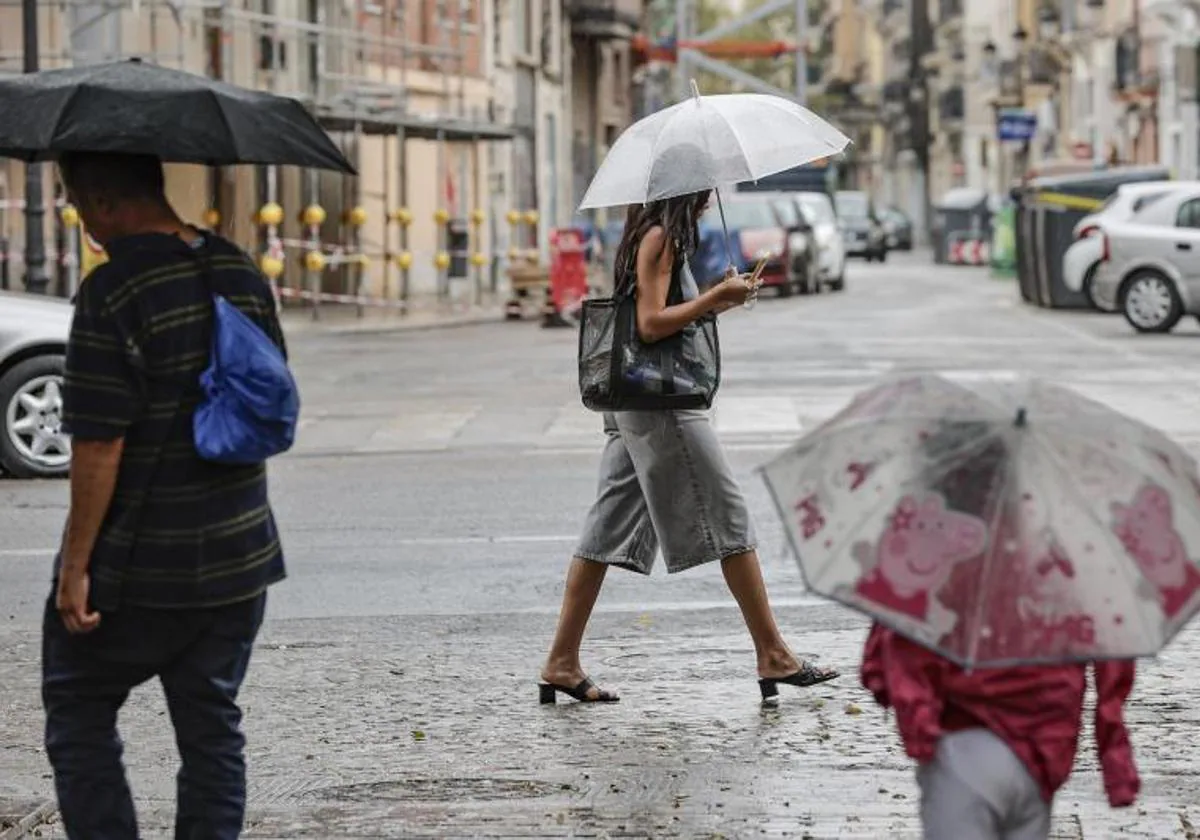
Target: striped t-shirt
[{"x": 181, "y": 532}]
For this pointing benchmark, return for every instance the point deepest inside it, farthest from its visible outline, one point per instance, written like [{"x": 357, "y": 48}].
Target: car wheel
[
  {"x": 839, "y": 283},
  {"x": 1151, "y": 303},
  {"x": 32, "y": 441},
  {"x": 882, "y": 256}
]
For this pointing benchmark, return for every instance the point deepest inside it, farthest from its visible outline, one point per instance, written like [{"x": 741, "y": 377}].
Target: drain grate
[{"x": 436, "y": 790}]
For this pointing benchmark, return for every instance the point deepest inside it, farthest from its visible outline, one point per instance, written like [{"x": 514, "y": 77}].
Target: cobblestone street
[{"x": 428, "y": 513}]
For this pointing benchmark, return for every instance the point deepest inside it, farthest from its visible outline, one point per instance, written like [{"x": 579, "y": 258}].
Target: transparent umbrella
[
  {"x": 709, "y": 142},
  {"x": 997, "y": 523}
]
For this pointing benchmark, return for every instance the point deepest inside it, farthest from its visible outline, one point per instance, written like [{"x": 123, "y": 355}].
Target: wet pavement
[{"x": 428, "y": 517}]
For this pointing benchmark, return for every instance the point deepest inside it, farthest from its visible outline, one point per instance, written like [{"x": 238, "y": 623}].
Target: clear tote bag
[{"x": 620, "y": 372}]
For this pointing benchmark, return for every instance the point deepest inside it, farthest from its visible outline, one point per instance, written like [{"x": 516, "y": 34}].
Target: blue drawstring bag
[{"x": 251, "y": 404}]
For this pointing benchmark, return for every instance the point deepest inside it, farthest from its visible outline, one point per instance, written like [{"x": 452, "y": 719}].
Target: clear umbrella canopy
[{"x": 709, "y": 142}]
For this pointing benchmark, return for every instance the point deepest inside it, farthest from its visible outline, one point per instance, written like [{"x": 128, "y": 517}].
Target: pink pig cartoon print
[
  {"x": 916, "y": 554},
  {"x": 1146, "y": 529}
]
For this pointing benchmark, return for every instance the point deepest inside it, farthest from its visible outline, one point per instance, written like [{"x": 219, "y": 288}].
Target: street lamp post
[
  {"x": 1020, "y": 37},
  {"x": 36, "y": 279}
]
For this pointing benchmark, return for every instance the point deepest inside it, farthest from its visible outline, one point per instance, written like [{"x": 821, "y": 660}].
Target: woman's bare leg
[
  {"x": 584, "y": 579},
  {"x": 743, "y": 575}
]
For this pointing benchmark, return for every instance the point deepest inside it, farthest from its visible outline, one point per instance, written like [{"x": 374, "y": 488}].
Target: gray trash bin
[
  {"x": 1049, "y": 209},
  {"x": 959, "y": 211}
]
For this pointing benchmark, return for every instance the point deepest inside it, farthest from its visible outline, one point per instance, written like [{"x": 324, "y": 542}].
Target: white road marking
[{"x": 740, "y": 415}]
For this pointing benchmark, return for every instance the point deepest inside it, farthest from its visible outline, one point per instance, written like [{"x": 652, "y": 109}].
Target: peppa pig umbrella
[{"x": 996, "y": 523}]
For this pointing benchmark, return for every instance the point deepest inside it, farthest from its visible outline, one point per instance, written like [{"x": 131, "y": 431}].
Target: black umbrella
[{"x": 140, "y": 108}]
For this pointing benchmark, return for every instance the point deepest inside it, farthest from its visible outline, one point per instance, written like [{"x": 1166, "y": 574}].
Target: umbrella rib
[
  {"x": 989, "y": 554},
  {"x": 1064, "y": 475},
  {"x": 67, "y": 103},
  {"x": 228, "y": 126},
  {"x": 653, "y": 153}
]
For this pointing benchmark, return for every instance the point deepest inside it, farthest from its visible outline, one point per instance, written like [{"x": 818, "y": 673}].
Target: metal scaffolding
[{"x": 351, "y": 63}]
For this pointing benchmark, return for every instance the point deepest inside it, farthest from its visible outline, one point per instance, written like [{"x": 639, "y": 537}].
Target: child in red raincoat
[{"x": 994, "y": 745}]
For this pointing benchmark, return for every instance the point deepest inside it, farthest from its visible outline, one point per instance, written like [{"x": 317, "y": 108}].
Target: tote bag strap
[{"x": 627, "y": 280}]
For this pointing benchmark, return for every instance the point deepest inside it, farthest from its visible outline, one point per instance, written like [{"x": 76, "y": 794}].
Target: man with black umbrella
[{"x": 166, "y": 557}]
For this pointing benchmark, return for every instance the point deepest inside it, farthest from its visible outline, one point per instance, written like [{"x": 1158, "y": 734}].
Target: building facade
[{"x": 450, "y": 109}]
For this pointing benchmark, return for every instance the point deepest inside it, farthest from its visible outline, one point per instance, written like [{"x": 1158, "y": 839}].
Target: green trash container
[{"x": 1004, "y": 242}]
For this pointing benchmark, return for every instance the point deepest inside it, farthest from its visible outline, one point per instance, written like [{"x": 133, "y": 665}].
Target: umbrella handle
[{"x": 724, "y": 227}]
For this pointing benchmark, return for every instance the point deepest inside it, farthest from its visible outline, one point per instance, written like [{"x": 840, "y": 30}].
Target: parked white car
[
  {"x": 1150, "y": 263},
  {"x": 33, "y": 345},
  {"x": 1082, "y": 259},
  {"x": 831, "y": 249}
]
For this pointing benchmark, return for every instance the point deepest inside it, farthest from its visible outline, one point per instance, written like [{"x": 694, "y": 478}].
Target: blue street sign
[{"x": 1016, "y": 124}]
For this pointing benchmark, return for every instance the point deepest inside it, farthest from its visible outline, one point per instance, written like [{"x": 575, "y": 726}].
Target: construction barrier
[
  {"x": 568, "y": 277},
  {"x": 965, "y": 248}
]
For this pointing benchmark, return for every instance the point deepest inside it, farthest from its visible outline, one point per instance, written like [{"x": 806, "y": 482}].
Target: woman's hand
[{"x": 733, "y": 291}]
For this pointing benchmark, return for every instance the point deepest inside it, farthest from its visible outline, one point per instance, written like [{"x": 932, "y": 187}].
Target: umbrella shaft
[{"x": 724, "y": 228}]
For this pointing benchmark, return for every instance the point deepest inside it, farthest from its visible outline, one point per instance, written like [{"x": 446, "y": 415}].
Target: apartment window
[
  {"x": 522, "y": 20},
  {"x": 620, "y": 86}
]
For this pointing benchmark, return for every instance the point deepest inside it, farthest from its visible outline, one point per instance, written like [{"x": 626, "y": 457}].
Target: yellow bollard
[
  {"x": 478, "y": 260},
  {"x": 70, "y": 216},
  {"x": 315, "y": 261},
  {"x": 313, "y": 215},
  {"x": 441, "y": 260},
  {"x": 211, "y": 218},
  {"x": 532, "y": 217},
  {"x": 356, "y": 216},
  {"x": 402, "y": 216},
  {"x": 477, "y": 217},
  {"x": 270, "y": 214},
  {"x": 441, "y": 216},
  {"x": 404, "y": 260},
  {"x": 271, "y": 266},
  {"x": 513, "y": 217}
]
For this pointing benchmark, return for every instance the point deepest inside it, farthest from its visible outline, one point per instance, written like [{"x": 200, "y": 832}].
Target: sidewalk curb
[
  {"x": 299, "y": 325},
  {"x": 30, "y": 821}
]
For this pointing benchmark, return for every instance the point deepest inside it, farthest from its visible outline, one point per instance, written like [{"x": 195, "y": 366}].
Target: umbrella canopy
[
  {"x": 137, "y": 108},
  {"x": 708, "y": 142},
  {"x": 997, "y": 523}
]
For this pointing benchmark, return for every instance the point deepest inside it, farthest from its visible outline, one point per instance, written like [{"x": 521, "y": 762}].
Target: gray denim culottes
[{"x": 664, "y": 481}]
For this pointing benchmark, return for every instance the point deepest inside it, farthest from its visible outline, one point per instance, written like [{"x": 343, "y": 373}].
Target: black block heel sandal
[
  {"x": 806, "y": 677},
  {"x": 548, "y": 693}
]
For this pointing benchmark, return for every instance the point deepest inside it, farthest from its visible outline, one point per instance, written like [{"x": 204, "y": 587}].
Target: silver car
[
  {"x": 33, "y": 345},
  {"x": 827, "y": 230},
  {"x": 1150, "y": 263}
]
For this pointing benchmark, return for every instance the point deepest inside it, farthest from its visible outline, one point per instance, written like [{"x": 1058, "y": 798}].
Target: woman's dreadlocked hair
[{"x": 678, "y": 216}]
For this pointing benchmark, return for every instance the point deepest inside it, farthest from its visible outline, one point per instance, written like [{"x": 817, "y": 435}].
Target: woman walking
[{"x": 664, "y": 480}]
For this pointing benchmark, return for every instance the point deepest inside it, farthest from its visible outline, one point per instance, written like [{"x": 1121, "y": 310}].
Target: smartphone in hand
[{"x": 758, "y": 270}]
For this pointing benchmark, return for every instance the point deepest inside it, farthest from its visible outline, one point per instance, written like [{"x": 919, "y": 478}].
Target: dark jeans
[{"x": 200, "y": 657}]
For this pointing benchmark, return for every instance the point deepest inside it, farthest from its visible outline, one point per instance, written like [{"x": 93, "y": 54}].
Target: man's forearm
[{"x": 94, "y": 468}]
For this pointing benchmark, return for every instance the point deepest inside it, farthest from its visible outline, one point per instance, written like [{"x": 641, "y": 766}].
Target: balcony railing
[{"x": 602, "y": 19}]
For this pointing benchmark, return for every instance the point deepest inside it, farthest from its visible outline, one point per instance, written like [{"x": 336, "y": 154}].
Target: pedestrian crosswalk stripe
[{"x": 737, "y": 415}]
